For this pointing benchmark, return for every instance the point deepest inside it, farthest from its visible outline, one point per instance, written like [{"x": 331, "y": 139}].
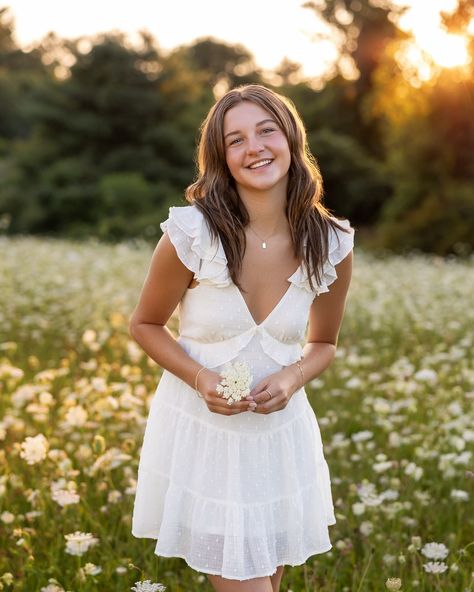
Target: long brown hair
[{"x": 214, "y": 192}]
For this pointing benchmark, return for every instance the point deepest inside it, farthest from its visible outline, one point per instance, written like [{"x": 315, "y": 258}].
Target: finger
[
  {"x": 263, "y": 397},
  {"x": 258, "y": 388},
  {"x": 269, "y": 406},
  {"x": 236, "y": 406}
]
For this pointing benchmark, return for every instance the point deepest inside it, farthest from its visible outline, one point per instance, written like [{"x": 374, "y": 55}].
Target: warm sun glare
[
  {"x": 447, "y": 50},
  {"x": 292, "y": 35},
  {"x": 432, "y": 47}
]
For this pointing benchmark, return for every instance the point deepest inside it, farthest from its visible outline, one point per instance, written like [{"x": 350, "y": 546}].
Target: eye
[
  {"x": 267, "y": 130},
  {"x": 234, "y": 141}
]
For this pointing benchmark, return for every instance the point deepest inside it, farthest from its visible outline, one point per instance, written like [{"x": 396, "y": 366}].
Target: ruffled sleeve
[
  {"x": 190, "y": 235},
  {"x": 340, "y": 245}
]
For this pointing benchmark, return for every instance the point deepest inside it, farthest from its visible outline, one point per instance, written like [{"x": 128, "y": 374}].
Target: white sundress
[{"x": 238, "y": 495}]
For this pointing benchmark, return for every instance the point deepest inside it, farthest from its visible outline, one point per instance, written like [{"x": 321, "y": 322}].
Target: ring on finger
[{"x": 267, "y": 391}]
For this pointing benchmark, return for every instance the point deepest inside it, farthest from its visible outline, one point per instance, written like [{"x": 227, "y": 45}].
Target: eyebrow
[{"x": 259, "y": 123}]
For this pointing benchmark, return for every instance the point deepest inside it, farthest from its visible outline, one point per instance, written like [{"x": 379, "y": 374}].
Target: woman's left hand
[{"x": 282, "y": 385}]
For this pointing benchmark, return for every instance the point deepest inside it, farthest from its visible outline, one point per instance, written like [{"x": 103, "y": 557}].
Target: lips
[{"x": 258, "y": 164}]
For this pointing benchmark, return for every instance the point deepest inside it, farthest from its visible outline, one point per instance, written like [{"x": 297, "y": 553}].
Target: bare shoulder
[
  {"x": 165, "y": 284},
  {"x": 327, "y": 310}
]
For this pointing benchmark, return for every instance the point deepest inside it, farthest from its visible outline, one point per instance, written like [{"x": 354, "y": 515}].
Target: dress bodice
[{"x": 215, "y": 323}]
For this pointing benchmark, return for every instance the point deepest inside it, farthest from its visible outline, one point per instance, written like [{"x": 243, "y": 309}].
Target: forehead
[{"x": 244, "y": 114}]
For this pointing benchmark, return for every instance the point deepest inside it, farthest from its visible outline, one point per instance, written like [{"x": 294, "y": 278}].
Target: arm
[
  {"x": 166, "y": 282},
  {"x": 325, "y": 320}
]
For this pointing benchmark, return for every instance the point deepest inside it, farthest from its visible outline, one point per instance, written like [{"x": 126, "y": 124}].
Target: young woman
[{"x": 261, "y": 272}]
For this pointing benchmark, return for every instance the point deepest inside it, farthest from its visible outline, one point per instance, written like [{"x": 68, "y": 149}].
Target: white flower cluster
[
  {"x": 79, "y": 542},
  {"x": 235, "y": 383},
  {"x": 148, "y": 586},
  {"x": 435, "y": 551},
  {"x": 34, "y": 449}
]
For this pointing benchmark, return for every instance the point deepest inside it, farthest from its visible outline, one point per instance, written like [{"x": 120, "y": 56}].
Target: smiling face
[{"x": 256, "y": 148}]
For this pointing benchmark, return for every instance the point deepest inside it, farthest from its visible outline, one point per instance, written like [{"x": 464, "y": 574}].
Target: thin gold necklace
[{"x": 263, "y": 241}]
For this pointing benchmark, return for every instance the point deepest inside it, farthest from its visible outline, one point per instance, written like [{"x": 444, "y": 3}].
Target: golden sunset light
[{"x": 292, "y": 25}]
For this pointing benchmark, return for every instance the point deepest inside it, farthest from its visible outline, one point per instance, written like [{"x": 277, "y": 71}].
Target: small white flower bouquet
[{"x": 235, "y": 383}]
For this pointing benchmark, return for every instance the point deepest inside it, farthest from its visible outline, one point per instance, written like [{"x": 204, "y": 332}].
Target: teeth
[{"x": 259, "y": 164}]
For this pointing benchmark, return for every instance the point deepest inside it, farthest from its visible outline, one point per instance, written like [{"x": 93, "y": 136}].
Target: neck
[{"x": 266, "y": 210}]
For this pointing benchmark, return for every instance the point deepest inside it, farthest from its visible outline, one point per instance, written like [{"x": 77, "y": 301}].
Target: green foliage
[
  {"x": 364, "y": 190},
  {"x": 429, "y": 142},
  {"x": 104, "y": 146}
]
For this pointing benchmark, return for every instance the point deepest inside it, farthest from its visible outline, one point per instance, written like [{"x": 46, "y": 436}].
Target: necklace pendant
[{"x": 264, "y": 245}]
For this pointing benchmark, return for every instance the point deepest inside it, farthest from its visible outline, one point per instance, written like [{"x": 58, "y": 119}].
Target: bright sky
[{"x": 270, "y": 29}]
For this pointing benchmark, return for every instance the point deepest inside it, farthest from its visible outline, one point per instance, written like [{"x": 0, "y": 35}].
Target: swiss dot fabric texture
[{"x": 235, "y": 496}]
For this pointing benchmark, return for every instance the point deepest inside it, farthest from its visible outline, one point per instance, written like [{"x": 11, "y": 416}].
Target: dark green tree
[{"x": 119, "y": 110}]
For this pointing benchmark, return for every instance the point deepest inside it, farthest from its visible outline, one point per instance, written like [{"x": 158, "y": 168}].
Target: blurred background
[{"x": 100, "y": 110}]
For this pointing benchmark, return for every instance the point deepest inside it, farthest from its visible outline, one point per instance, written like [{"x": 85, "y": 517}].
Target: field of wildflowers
[{"x": 395, "y": 409}]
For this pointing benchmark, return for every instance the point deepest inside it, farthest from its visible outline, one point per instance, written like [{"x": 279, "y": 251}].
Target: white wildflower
[
  {"x": 416, "y": 542},
  {"x": 426, "y": 375},
  {"x": 362, "y": 436},
  {"x": 7, "y": 578},
  {"x": 34, "y": 449},
  {"x": 7, "y": 517},
  {"x": 65, "y": 497},
  {"x": 235, "y": 383},
  {"x": 148, "y": 586},
  {"x": 111, "y": 459},
  {"x": 114, "y": 496},
  {"x": 53, "y": 586},
  {"x": 79, "y": 542},
  {"x": 414, "y": 471},
  {"x": 460, "y": 495},
  {"x": 89, "y": 336},
  {"x": 468, "y": 435},
  {"x": 381, "y": 467},
  {"x": 454, "y": 567},
  {"x": 366, "y": 528},
  {"x": 46, "y": 398},
  {"x": 99, "y": 384},
  {"x": 368, "y": 494},
  {"x": 381, "y": 406},
  {"x": 435, "y": 567},
  {"x": 90, "y": 569},
  {"x": 76, "y": 416},
  {"x": 393, "y": 584},
  {"x": 435, "y": 551},
  {"x": 358, "y": 508},
  {"x": 389, "y": 494},
  {"x": 394, "y": 440}
]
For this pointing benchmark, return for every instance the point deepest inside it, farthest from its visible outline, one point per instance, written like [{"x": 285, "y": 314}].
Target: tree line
[{"x": 97, "y": 137}]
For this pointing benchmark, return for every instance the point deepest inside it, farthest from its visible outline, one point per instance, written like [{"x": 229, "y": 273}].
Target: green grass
[{"x": 395, "y": 411}]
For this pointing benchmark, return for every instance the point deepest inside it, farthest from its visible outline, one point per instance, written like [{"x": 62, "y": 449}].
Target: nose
[{"x": 254, "y": 145}]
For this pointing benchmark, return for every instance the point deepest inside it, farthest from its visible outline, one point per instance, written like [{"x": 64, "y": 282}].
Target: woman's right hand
[{"x": 207, "y": 383}]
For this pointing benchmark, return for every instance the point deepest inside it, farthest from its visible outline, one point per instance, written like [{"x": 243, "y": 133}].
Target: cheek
[{"x": 231, "y": 161}]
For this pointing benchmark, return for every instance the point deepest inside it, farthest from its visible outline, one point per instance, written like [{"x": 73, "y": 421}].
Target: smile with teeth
[{"x": 260, "y": 163}]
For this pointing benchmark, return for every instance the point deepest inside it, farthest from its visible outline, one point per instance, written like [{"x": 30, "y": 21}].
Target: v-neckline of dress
[
  {"x": 241, "y": 296},
  {"x": 271, "y": 313}
]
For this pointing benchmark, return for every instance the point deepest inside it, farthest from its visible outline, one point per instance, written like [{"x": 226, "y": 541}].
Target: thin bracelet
[
  {"x": 298, "y": 364},
  {"x": 300, "y": 368},
  {"x": 196, "y": 381}
]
